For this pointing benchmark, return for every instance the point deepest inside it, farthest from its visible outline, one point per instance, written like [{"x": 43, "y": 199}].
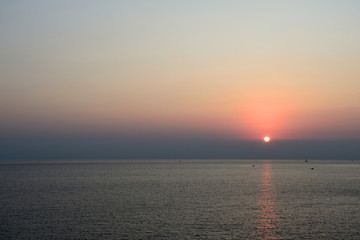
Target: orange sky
[{"x": 235, "y": 70}]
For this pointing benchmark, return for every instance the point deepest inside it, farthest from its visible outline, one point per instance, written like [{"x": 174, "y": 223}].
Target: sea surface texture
[{"x": 172, "y": 199}]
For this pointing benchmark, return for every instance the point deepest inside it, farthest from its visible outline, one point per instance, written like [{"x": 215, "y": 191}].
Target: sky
[{"x": 138, "y": 72}]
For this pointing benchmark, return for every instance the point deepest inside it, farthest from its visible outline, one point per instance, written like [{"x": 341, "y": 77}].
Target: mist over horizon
[{"x": 42, "y": 147}]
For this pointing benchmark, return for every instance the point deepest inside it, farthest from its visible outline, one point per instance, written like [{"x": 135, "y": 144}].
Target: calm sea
[{"x": 188, "y": 199}]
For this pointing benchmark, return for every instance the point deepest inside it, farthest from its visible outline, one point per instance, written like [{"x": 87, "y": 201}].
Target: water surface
[{"x": 172, "y": 199}]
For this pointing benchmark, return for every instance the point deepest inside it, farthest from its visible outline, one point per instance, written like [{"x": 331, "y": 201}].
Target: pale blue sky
[{"x": 184, "y": 65}]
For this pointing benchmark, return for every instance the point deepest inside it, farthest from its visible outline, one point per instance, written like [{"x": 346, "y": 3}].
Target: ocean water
[{"x": 172, "y": 199}]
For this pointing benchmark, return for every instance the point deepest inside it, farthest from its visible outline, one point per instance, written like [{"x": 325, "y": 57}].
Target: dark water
[{"x": 202, "y": 199}]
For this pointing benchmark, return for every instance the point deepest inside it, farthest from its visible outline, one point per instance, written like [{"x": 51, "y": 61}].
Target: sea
[{"x": 180, "y": 199}]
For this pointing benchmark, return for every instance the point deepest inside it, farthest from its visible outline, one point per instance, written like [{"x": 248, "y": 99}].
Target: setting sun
[{"x": 266, "y": 139}]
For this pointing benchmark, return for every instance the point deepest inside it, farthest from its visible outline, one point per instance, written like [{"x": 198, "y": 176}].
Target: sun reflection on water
[{"x": 268, "y": 225}]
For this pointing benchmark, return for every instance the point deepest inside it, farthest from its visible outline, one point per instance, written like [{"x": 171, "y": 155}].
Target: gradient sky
[{"x": 215, "y": 69}]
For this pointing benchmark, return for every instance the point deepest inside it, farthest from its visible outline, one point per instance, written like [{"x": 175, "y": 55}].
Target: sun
[{"x": 266, "y": 139}]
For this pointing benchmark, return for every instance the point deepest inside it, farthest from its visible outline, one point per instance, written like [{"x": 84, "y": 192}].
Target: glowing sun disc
[{"x": 266, "y": 139}]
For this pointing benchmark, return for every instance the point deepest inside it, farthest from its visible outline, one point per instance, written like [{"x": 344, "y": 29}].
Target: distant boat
[{"x": 306, "y": 160}]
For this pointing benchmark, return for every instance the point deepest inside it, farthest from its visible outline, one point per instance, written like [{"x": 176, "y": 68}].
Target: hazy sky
[{"x": 219, "y": 69}]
